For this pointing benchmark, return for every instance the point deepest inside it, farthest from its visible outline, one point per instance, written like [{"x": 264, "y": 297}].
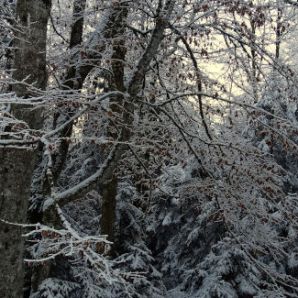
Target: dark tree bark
[
  {"x": 16, "y": 166},
  {"x": 108, "y": 188},
  {"x": 74, "y": 79},
  {"x": 278, "y": 32},
  {"x": 108, "y": 181},
  {"x": 105, "y": 176},
  {"x": 30, "y": 56}
]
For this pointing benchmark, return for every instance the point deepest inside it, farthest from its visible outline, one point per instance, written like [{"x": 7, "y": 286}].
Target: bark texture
[
  {"x": 108, "y": 188},
  {"x": 30, "y": 56},
  {"x": 17, "y": 164},
  {"x": 15, "y": 177}
]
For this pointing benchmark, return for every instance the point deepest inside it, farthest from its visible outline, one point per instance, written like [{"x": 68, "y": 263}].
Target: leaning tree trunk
[{"x": 17, "y": 163}]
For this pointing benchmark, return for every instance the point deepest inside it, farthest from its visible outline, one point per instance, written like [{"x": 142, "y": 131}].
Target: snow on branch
[
  {"x": 83, "y": 187},
  {"x": 49, "y": 243}
]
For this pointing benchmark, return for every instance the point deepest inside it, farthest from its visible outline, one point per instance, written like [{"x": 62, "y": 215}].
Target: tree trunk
[
  {"x": 30, "y": 57},
  {"x": 17, "y": 164},
  {"x": 108, "y": 188},
  {"x": 15, "y": 178}
]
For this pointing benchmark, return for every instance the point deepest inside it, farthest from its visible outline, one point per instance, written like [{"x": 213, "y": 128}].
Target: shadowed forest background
[{"x": 148, "y": 148}]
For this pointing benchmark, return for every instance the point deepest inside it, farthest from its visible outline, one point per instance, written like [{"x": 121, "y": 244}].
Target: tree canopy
[{"x": 148, "y": 148}]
